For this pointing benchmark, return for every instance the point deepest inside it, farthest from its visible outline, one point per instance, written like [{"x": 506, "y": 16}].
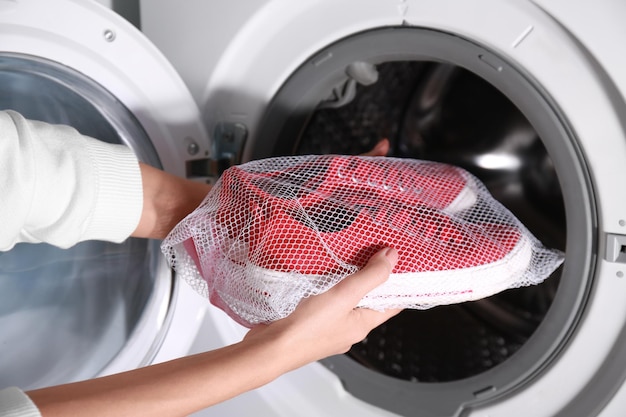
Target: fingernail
[{"x": 392, "y": 255}]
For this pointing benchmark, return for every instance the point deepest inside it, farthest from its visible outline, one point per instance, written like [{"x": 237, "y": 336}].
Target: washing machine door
[
  {"x": 97, "y": 307},
  {"x": 528, "y": 95}
]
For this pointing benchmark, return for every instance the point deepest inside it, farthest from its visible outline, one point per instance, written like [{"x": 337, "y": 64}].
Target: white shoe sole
[{"x": 278, "y": 293}]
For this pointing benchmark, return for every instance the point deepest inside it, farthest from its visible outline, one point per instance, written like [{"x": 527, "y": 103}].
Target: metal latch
[
  {"x": 615, "y": 248},
  {"x": 227, "y": 145}
]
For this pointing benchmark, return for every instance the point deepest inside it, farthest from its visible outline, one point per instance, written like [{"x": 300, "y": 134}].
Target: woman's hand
[
  {"x": 329, "y": 323},
  {"x": 320, "y": 326},
  {"x": 380, "y": 149}
]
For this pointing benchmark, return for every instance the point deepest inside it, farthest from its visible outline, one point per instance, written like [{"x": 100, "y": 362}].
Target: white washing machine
[{"x": 528, "y": 95}]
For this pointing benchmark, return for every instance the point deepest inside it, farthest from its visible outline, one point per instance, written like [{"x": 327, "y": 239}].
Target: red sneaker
[
  {"x": 269, "y": 238},
  {"x": 441, "y": 261}
]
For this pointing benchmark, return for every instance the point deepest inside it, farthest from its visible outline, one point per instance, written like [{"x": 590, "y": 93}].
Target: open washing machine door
[
  {"x": 98, "y": 307},
  {"x": 527, "y": 95}
]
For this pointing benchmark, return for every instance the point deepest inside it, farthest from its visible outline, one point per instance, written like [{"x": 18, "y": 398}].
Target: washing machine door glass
[{"x": 64, "y": 314}]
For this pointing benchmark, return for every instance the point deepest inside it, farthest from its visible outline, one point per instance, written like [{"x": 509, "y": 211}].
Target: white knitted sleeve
[
  {"x": 60, "y": 187},
  {"x": 15, "y": 403}
]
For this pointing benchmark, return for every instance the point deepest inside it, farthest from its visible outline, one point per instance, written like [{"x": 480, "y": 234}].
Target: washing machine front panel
[
  {"x": 78, "y": 63},
  {"x": 578, "y": 81},
  {"x": 580, "y": 19}
]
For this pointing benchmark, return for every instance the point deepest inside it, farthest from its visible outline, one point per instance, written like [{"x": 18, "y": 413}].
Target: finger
[
  {"x": 367, "y": 319},
  {"x": 374, "y": 318},
  {"x": 381, "y": 148},
  {"x": 377, "y": 270}
]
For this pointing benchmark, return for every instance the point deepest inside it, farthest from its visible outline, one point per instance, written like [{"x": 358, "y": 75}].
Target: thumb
[{"x": 377, "y": 270}]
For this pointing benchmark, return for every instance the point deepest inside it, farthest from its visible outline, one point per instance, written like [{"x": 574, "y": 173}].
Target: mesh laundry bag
[{"x": 274, "y": 231}]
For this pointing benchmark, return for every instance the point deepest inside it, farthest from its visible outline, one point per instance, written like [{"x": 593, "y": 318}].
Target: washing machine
[
  {"x": 527, "y": 95},
  {"x": 96, "y": 308}
]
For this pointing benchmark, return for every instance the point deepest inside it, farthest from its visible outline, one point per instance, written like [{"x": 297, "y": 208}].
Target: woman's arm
[
  {"x": 60, "y": 187},
  {"x": 321, "y": 326}
]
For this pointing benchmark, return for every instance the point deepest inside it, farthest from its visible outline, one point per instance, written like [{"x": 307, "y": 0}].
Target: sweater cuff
[
  {"x": 119, "y": 195},
  {"x": 14, "y": 402}
]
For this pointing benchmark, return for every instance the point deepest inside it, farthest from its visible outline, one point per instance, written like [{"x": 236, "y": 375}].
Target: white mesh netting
[{"x": 274, "y": 231}]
